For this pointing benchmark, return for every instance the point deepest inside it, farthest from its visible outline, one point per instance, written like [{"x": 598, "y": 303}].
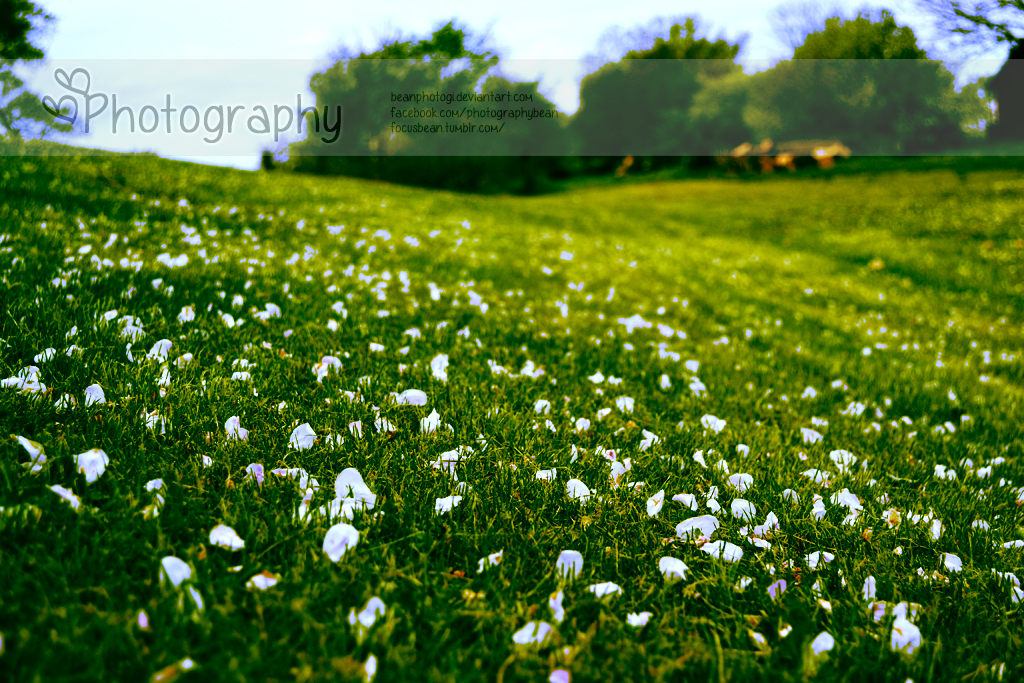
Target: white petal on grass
[
  {"x": 723, "y": 550},
  {"x": 641, "y": 619},
  {"x": 45, "y": 356},
  {"x": 412, "y": 397},
  {"x": 66, "y": 402},
  {"x": 439, "y": 367},
  {"x": 67, "y": 495},
  {"x": 254, "y": 471},
  {"x": 302, "y": 437},
  {"x": 705, "y": 525},
  {"x": 952, "y": 562},
  {"x": 650, "y": 439},
  {"x": 324, "y": 366},
  {"x": 823, "y": 643},
  {"x": 905, "y": 636},
  {"x": 810, "y": 436},
  {"x": 655, "y": 503},
  {"x": 687, "y": 499},
  {"x": 577, "y": 490},
  {"x": 26, "y": 379},
  {"x": 741, "y": 482},
  {"x": 843, "y": 460},
  {"x": 430, "y": 423},
  {"x": 818, "y": 557},
  {"x": 555, "y": 603},
  {"x": 154, "y": 419},
  {"x": 91, "y": 463},
  {"x": 175, "y": 570},
  {"x": 94, "y": 394},
  {"x": 339, "y": 539},
  {"x": 37, "y": 456},
  {"x": 534, "y": 632},
  {"x": 624, "y": 403},
  {"x": 160, "y": 350},
  {"x": 817, "y": 476},
  {"x": 187, "y": 314},
  {"x": 743, "y": 509},
  {"x": 673, "y": 569},
  {"x": 606, "y": 589},
  {"x": 713, "y": 423},
  {"x": 492, "y": 560},
  {"x": 569, "y": 561},
  {"x": 444, "y": 505},
  {"x": 262, "y": 581},
  {"x": 547, "y": 475},
  {"x": 225, "y": 537},
  {"x": 869, "y": 588},
  {"x": 350, "y": 486},
  {"x": 233, "y": 426},
  {"x": 597, "y": 377}
]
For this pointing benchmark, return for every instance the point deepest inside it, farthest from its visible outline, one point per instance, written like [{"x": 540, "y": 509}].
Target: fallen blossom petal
[
  {"x": 91, "y": 463},
  {"x": 569, "y": 561},
  {"x": 339, "y": 539},
  {"x": 225, "y": 537},
  {"x": 175, "y": 570}
]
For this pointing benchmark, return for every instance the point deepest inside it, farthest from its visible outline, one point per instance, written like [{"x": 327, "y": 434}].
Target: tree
[
  {"x": 974, "y": 29},
  {"x": 365, "y": 88},
  {"x": 20, "y": 110},
  {"x": 1001, "y": 20},
  {"x": 361, "y": 88},
  {"x": 866, "y": 83},
  {"x": 794, "y": 21},
  {"x": 639, "y": 105}
]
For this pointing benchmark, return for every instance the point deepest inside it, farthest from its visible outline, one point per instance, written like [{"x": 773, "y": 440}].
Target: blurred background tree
[
  {"x": 640, "y": 104},
  {"x": 363, "y": 85},
  {"x": 21, "y": 111},
  {"x": 969, "y": 30},
  {"x": 866, "y": 83}
]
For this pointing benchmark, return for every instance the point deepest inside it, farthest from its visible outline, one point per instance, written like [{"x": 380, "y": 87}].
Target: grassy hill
[{"x": 843, "y": 354}]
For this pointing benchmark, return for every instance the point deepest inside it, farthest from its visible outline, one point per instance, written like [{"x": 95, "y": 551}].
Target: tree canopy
[
  {"x": 20, "y": 110},
  {"x": 852, "y": 81},
  {"x": 641, "y": 101}
]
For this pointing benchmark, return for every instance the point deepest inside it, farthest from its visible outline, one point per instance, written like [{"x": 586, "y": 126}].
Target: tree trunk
[{"x": 1007, "y": 87}]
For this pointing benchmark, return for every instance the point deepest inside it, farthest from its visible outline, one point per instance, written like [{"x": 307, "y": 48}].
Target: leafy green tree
[
  {"x": 866, "y": 83},
  {"x": 363, "y": 88},
  {"x": 20, "y": 110},
  {"x": 640, "y": 104}
]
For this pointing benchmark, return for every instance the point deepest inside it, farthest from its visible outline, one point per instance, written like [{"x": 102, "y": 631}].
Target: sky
[{"x": 536, "y": 40}]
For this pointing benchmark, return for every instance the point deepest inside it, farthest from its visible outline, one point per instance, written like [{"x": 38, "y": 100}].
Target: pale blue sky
[{"x": 312, "y": 29}]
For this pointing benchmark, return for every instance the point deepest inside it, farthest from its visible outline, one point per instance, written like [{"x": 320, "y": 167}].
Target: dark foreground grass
[{"x": 877, "y": 316}]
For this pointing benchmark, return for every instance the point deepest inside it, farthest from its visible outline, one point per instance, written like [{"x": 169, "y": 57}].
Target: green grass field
[{"x": 818, "y": 375}]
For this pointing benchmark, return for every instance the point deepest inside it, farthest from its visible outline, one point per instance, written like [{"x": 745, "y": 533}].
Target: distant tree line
[
  {"x": 863, "y": 81},
  {"x": 676, "y": 100}
]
